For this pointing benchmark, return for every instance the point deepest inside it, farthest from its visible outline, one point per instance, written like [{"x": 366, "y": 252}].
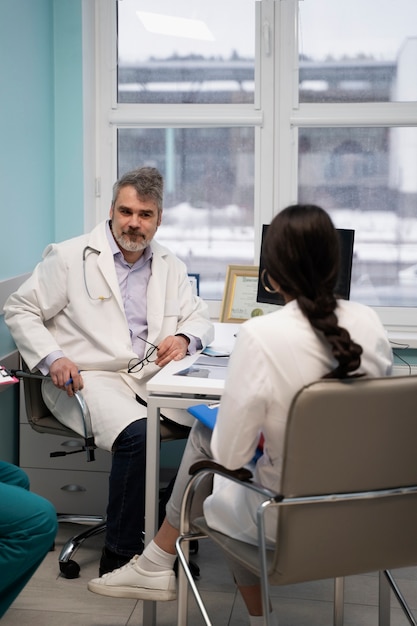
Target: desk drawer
[
  {"x": 35, "y": 449},
  {"x": 84, "y": 493}
]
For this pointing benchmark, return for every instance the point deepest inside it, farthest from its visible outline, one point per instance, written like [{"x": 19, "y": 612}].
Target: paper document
[
  {"x": 209, "y": 371},
  {"x": 213, "y": 361},
  {"x": 207, "y": 367}
]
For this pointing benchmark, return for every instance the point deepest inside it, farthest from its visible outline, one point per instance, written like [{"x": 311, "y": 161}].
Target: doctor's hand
[
  {"x": 65, "y": 375},
  {"x": 172, "y": 348}
]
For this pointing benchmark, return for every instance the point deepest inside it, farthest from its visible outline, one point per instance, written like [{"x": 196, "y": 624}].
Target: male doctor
[{"x": 103, "y": 312}]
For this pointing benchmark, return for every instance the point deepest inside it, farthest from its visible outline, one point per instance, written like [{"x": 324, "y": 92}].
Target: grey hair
[{"x": 147, "y": 181}]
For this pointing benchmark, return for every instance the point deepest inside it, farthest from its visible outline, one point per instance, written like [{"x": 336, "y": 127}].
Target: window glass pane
[
  {"x": 187, "y": 51},
  {"x": 208, "y": 198},
  {"x": 365, "y": 178},
  {"x": 358, "y": 51}
]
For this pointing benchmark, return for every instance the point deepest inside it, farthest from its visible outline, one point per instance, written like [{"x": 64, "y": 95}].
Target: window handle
[{"x": 266, "y": 34}]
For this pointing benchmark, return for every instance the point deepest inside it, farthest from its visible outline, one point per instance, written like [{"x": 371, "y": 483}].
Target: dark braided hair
[{"x": 301, "y": 253}]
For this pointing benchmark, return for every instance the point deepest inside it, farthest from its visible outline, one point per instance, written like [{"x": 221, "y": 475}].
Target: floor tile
[{"x": 51, "y": 600}]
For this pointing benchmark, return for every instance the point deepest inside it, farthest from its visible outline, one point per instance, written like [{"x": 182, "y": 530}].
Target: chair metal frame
[
  {"x": 336, "y": 519},
  {"x": 43, "y": 421}
]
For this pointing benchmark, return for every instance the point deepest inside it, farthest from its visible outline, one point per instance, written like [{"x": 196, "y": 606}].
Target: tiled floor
[{"x": 50, "y": 600}]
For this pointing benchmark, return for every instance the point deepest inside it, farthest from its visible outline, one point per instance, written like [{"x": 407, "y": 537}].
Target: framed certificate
[{"x": 240, "y": 292}]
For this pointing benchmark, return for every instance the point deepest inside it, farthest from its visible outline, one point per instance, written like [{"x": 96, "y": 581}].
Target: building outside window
[
  {"x": 365, "y": 175},
  {"x": 248, "y": 106}
]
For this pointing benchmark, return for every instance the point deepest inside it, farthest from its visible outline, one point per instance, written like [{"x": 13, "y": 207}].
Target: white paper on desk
[{"x": 212, "y": 361}]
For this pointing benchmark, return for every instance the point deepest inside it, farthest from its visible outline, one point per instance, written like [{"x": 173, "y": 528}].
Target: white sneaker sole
[{"x": 137, "y": 593}]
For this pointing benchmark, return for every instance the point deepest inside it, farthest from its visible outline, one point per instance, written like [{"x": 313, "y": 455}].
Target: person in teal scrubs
[{"x": 28, "y": 526}]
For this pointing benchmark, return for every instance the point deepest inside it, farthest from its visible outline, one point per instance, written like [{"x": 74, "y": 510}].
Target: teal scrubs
[{"x": 28, "y": 526}]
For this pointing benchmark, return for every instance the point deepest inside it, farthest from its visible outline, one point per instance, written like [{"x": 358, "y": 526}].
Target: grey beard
[{"x": 131, "y": 246}]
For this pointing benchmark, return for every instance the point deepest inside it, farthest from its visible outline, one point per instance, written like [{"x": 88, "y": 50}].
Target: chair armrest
[
  {"x": 89, "y": 445},
  {"x": 23, "y": 374},
  {"x": 241, "y": 475}
]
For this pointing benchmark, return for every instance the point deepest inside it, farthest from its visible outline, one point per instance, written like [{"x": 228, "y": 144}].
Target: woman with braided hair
[
  {"x": 301, "y": 252},
  {"x": 315, "y": 335}
]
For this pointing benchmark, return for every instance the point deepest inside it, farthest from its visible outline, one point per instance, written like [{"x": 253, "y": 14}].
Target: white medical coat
[
  {"x": 273, "y": 358},
  {"x": 53, "y": 311}
]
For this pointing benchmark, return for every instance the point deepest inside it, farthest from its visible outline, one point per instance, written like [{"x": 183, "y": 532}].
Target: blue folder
[{"x": 205, "y": 413}]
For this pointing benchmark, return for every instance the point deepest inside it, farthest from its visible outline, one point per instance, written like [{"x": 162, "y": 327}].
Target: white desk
[{"x": 165, "y": 390}]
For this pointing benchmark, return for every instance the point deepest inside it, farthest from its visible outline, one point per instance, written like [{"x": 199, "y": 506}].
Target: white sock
[
  {"x": 258, "y": 620},
  {"x": 154, "y": 559}
]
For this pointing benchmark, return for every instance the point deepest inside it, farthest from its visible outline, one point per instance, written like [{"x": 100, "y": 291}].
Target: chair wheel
[
  {"x": 194, "y": 546},
  {"x": 69, "y": 569}
]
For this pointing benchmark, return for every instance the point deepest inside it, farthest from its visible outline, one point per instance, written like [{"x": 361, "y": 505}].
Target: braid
[
  {"x": 322, "y": 317},
  {"x": 301, "y": 254}
]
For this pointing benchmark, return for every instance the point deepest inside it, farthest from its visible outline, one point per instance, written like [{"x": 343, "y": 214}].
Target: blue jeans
[
  {"x": 126, "y": 505},
  {"x": 28, "y": 525}
]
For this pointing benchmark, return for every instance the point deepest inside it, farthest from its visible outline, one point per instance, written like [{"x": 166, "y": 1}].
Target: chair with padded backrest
[
  {"x": 348, "y": 499},
  {"x": 43, "y": 421}
]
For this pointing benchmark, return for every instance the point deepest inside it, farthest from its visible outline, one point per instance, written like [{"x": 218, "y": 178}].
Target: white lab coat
[
  {"x": 273, "y": 358},
  {"x": 53, "y": 311}
]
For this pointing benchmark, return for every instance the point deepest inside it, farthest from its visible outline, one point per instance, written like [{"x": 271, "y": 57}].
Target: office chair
[
  {"x": 43, "y": 421},
  {"x": 348, "y": 499}
]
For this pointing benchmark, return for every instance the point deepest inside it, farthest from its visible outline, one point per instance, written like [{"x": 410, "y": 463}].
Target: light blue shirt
[{"x": 133, "y": 283}]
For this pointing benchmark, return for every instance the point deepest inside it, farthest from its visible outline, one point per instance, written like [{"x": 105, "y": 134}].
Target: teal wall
[
  {"x": 41, "y": 126},
  {"x": 41, "y": 150},
  {"x": 27, "y": 132},
  {"x": 68, "y": 118}
]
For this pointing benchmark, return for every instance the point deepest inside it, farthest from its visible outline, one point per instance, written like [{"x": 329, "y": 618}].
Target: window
[
  {"x": 361, "y": 175},
  {"x": 249, "y": 106},
  {"x": 183, "y": 100},
  {"x": 182, "y": 52},
  {"x": 357, "y": 154},
  {"x": 355, "y": 51},
  {"x": 208, "y": 196}
]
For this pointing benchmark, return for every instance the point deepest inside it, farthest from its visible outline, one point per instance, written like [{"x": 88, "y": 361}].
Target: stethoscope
[{"x": 88, "y": 250}]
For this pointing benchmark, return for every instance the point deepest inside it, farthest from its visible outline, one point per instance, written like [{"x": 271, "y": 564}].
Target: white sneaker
[{"x": 131, "y": 581}]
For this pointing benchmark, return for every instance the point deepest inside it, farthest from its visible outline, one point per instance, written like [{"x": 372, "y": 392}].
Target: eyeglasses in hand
[{"x": 136, "y": 365}]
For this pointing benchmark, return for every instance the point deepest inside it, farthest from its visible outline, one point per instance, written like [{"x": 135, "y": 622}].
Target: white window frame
[
  {"x": 112, "y": 115},
  {"x": 400, "y": 322},
  {"x": 276, "y": 117}
]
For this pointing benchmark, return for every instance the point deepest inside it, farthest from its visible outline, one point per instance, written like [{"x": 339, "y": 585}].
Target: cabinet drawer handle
[{"x": 73, "y": 488}]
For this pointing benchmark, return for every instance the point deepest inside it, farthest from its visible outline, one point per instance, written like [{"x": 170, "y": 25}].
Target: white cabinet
[{"x": 71, "y": 483}]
